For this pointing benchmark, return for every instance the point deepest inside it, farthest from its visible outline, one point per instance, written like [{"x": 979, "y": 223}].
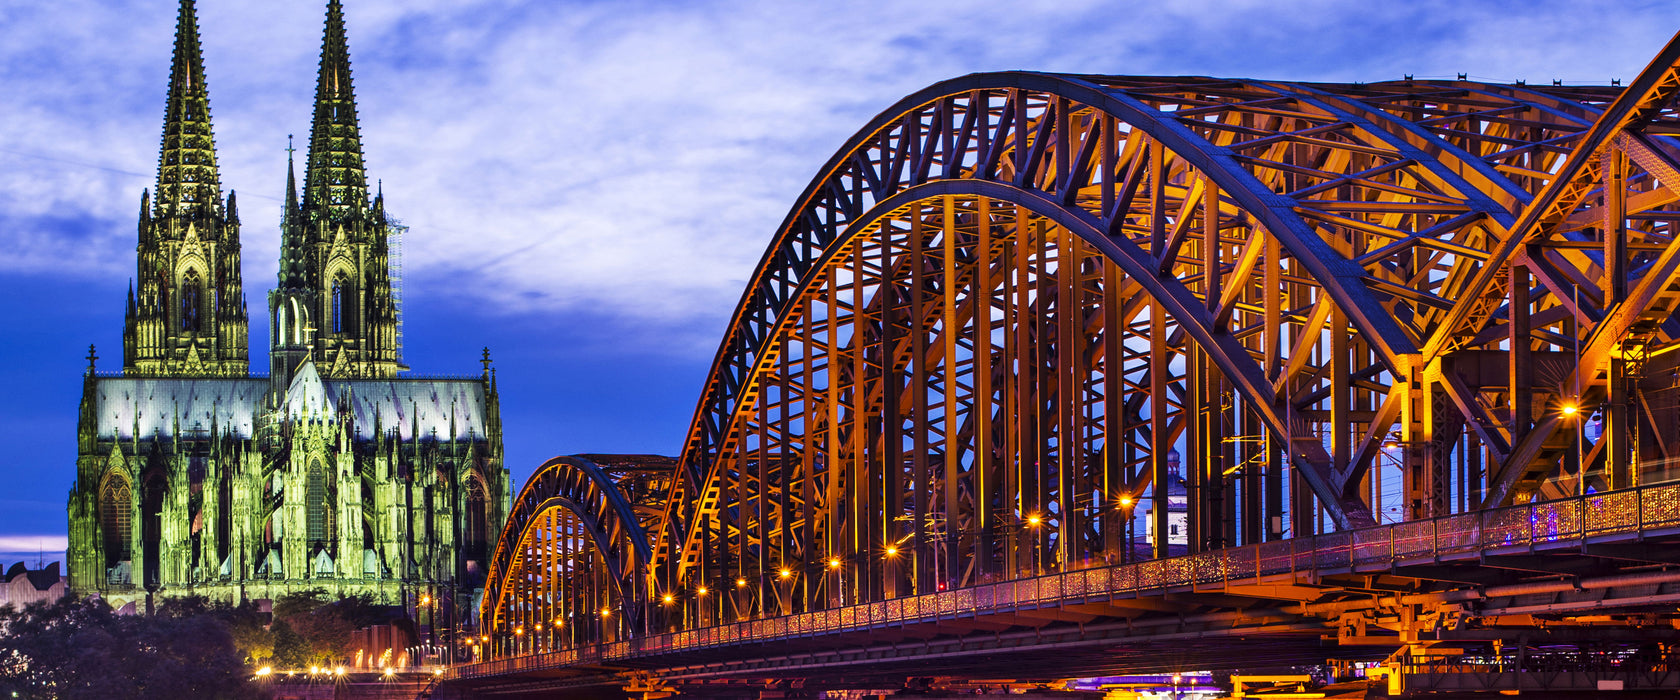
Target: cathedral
[{"x": 338, "y": 470}]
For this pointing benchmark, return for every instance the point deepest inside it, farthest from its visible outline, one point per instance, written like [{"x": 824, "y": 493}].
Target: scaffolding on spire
[{"x": 395, "y": 229}]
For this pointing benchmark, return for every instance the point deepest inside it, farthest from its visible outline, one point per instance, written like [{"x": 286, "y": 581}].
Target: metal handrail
[{"x": 1521, "y": 526}]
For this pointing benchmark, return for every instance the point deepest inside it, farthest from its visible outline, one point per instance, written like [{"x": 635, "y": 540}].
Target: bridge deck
[{"x": 1276, "y": 603}]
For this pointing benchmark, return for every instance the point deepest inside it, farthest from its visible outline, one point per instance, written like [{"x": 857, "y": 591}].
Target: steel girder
[
  {"x": 572, "y": 543},
  {"x": 826, "y": 209},
  {"x": 983, "y": 331}
]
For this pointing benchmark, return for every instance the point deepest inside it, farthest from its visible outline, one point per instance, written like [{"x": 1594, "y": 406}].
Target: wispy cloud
[
  {"x": 632, "y": 158},
  {"x": 30, "y": 544}
]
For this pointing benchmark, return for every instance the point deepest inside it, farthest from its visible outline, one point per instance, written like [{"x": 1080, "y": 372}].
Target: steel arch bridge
[{"x": 1024, "y": 325}]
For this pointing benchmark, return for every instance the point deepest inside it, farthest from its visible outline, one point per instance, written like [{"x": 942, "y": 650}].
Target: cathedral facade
[{"x": 337, "y": 470}]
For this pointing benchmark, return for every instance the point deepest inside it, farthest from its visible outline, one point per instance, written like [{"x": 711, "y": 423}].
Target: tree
[
  {"x": 311, "y": 630},
  {"x": 290, "y": 649},
  {"x": 73, "y": 649}
]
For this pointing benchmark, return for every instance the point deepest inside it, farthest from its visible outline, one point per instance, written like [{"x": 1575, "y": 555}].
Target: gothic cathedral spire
[
  {"x": 334, "y": 303},
  {"x": 187, "y": 317},
  {"x": 335, "y": 178}
]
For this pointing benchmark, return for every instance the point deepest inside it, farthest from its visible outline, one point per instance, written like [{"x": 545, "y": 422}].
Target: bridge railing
[{"x": 1559, "y": 524}]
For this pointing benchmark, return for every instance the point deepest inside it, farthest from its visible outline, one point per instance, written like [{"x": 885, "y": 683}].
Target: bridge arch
[
  {"x": 573, "y": 554},
  {"x": 1074, "y": 149},
  {"x": 1008, "y": 308}
]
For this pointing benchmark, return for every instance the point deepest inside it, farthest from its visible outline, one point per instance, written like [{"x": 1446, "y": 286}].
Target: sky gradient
[{"x": 589, "y": 183}]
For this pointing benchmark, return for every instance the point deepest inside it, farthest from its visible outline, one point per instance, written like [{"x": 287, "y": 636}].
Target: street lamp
[
  {"x": 1126, "y": 503},
  {"x": 1035, "y": 520}
]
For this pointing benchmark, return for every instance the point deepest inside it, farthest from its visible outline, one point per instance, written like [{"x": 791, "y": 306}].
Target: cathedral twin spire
[
  {"x": 335, "y": 177},
  {"x": 334, "y": 299},
  {"x": 188, "y": 183},
  {"x": 187, "y": 312}
]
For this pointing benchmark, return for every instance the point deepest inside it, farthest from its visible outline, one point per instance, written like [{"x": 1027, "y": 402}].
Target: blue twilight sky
[{"x": 588, "y": 182}]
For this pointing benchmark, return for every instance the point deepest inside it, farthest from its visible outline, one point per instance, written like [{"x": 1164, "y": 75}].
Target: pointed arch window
[
  {"x": 340, "y": 288},
  {"x": 192, "y": 295},
  {"x": 154, "y": 490},
  {"x": 318, "y": 504},
  {"x": 477, "y": 526},
  {"x": 224, "y": 516},
  {"x": 116, "y": 513}
]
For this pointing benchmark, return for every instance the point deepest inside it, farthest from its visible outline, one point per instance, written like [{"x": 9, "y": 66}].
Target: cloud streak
[
  {"x": 30, "y": 544},
  {"x": 633, "y": 158}
]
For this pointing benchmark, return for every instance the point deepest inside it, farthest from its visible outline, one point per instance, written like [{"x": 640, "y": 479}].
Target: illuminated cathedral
[{"x": 338, "y": 470}]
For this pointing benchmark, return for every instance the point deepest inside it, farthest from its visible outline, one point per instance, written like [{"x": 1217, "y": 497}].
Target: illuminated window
[
  {"x": 478, "y": 519},
  {"x": 192, "y": 293},
  {"x": 338, "y": 305},
  {"x": 318, "y": 504},
  {"x": 116, "y": 508}
]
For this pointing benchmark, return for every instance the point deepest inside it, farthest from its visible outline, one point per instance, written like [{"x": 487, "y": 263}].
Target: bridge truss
[{"x": 1021, "y": 320}]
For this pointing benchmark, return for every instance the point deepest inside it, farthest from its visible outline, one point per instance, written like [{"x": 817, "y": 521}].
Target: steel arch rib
[
  {"x": 582, "y": 487},
  {"x": 1342, "y": 280},
  {"x": 1633, "y": 106},
  {"x": 1416, "y": 142},
  {"x": 1346, "y": 284},
  {"x": 1233, "y": 359}
]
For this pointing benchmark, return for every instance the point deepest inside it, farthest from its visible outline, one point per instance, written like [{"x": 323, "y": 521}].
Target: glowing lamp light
[
  {"x": 606, "y": 613},
  {"x": 314, "y": 669},
  {"x": 669, "y": 598},
  {"x": 1177, "y": 678},
  {"x": 740, "y": 583},
  {"x": 389, "y": 672},
  {"x": 1034, "y": 520},
  {"x": 539, "y": 627},
  {"x": 338, "y": 671},
  {"x": 485, "y": 639},
  {"x": 784, "y": 573},
  {"x": 892, "y": 551},
  {"x": 1126, "y": 500},
  {"x": 1570, "y": 409},
  {"x": 701, "y": 590},
  {"x": 834, "y": 563},
  {"x": 264, "y": 671},
  {"x": 425, "y": 600}
]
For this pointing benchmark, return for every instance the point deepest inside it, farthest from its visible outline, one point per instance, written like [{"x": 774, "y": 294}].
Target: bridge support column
[
  {"x": 1195, "y": 458},
  {"x": 1618, "y": 427},
  {"x": 1160, "y": 432}
]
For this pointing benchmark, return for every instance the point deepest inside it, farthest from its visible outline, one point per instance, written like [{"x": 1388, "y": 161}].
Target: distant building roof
[{"x": 42, "y": 579}]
